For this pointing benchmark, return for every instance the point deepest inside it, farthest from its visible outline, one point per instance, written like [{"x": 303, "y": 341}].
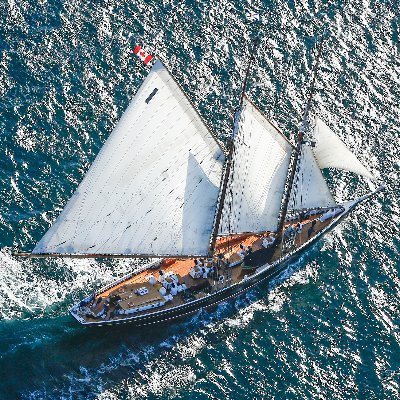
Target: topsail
[{"x": 152, "y": 189}]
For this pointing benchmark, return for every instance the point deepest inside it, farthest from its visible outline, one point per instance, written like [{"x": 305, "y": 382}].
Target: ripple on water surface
[{"x": 328, "y": 327}]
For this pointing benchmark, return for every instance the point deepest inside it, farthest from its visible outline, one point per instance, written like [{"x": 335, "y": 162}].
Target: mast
[
  {"x": 300, "y": 140},
  {"x": 231, "y": 147}
]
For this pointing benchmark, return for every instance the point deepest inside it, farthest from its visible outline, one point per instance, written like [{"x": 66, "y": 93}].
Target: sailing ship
[{"x": 216, "y": 219}]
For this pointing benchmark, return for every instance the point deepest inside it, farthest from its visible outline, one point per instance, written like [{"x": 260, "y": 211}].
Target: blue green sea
[{"x": 328, "y": 326}]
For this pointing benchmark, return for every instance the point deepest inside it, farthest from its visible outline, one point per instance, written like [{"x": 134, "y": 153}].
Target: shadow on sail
[{"x": 197, "y": 217}]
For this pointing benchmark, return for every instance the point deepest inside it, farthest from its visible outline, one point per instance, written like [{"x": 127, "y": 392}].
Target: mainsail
[
  {"x": 331, "y": 152},
  {"x": 259, "y": 168},
  {"x": 153, "y": 188}
]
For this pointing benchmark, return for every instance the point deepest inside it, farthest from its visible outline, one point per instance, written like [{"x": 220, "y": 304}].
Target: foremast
[
  {"x": 229, "y": 156},
  {"x": 303, "y": 130}
]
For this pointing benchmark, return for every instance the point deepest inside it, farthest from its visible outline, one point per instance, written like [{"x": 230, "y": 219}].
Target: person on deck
[
  {"x": 269, "y": 240},
  {"x": 105, "y": 310},
  {"x": 311, "y": 229},
  {"x": 91, "y": 299},
  {"x": 290, "y": 232},
  {"x": 242, "y": 251}
]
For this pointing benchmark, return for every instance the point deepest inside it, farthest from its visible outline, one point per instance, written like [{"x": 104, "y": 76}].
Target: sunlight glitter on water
[{"x": 328, "y": 327}]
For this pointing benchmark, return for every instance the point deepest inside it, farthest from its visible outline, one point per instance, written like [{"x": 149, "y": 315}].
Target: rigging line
[
  {"x": 231, "y": 149},
  {"x": 300, "y": 137},
  {"x": 299, "y": 184}
]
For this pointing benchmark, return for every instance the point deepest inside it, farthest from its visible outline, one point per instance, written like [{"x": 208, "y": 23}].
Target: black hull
[
  {"x": 264, "y": 275},
  {"x": 207, "y": 302},
  {"x": 185, "y": 310}
]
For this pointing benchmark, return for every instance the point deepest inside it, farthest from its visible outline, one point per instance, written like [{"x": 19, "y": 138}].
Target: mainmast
[
  {"x": 231, "y": 148},
  {"x": 300, "y": 141}
]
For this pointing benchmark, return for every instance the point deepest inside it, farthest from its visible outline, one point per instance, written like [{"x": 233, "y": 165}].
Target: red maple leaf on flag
[{"x": 143, "y": 54}]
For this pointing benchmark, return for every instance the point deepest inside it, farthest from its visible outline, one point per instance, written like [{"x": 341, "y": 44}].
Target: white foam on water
[
  {"x": 27, "y": 294},
  {"x": 208, "y": 55}
]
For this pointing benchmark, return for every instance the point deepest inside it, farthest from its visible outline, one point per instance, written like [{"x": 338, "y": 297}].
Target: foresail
[
  {"x": 331, "y": 152},
  {"x": 153, "y": 187},
  {"x": 259, "y": 170},
  {"x": 310, "y": 189}
]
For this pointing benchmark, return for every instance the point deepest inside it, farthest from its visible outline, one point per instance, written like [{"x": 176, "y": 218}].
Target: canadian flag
[
  {"x": 142, "y": 54},
  {"x": 252, "y": 16}
]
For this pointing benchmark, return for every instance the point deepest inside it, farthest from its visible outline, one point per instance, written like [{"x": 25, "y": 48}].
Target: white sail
[
  {"x": 154, "y": 186},
  {"x": 259, "y": 171},
  {"x": 309, "y": 188},
  {"x": 331, "y": 152}
]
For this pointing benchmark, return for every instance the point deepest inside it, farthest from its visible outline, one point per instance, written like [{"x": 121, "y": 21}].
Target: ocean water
[{"x": 326, "y": 328}]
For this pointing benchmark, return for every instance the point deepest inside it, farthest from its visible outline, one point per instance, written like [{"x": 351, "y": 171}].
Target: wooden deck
[{"x": 228, "y": 246}]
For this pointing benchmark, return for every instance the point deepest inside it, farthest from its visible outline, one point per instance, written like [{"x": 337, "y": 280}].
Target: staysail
[
  {"x": 153, "y": 188},
  {"x": 259, "y": 168},
  {"x": 328, "y": 151},
  {"x": 331, "y": 152},
  {"x": 310, "y": 189}
]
